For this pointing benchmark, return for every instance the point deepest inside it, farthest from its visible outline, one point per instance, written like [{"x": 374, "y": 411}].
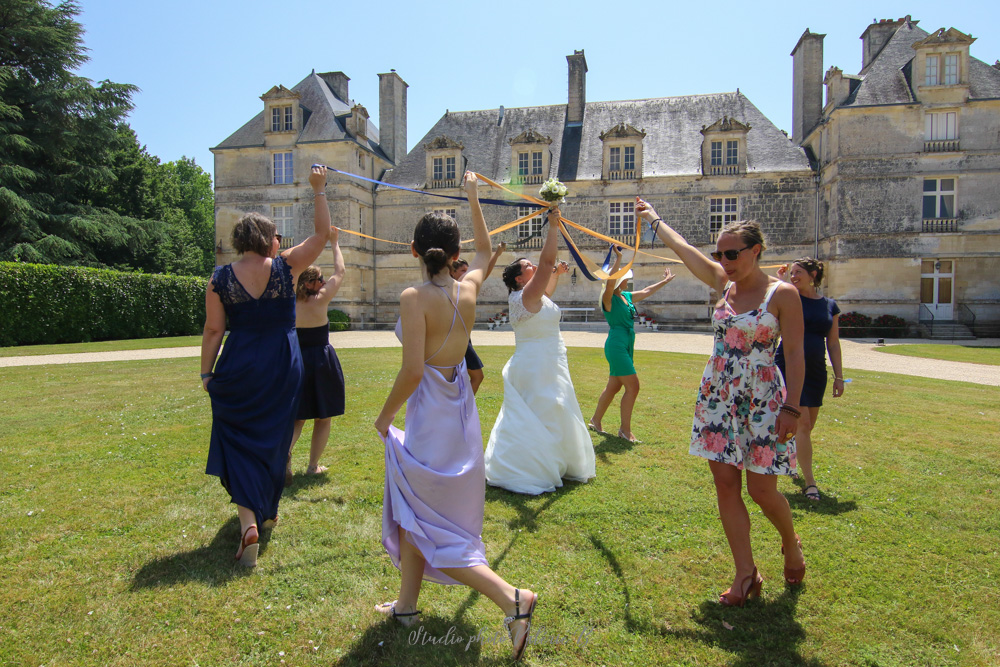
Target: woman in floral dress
[{"x": 744, "y": 419}]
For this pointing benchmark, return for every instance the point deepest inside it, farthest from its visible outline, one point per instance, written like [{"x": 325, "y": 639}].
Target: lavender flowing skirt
[{"x": 435, "y": 479}]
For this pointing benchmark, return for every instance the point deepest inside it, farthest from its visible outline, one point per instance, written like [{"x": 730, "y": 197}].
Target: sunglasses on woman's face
[
  {"x": 279, "y": 237},
  {"x": 731, "y": 255}
]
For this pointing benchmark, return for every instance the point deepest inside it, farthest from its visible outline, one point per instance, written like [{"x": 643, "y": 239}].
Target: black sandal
[
  {"x": 811, "y": 495},
  {"x": 389, "y": 609},
  {"x": 518, "y": 616}
]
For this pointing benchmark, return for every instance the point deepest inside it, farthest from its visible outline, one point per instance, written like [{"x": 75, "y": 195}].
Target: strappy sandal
[
  {"x": 593, "y": 428},
  {"x": 795, "y": 575},
  {"x": 750, "y": 588},
  {"x": 811, "y": 495},
  {"x": 247, "y": 555},
  {"x": 518, "y": 616},
  {"x": 389, "y": 609},
  {"x": 633, "y": 439},
  {"x": 316, "y": 470}
]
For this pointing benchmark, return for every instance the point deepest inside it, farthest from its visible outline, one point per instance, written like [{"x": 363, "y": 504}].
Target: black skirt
[{"x": 323, "y": 379}]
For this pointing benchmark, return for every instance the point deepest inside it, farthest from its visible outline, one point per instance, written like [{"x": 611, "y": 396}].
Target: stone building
[
  {"x": 264, "y": 166},
  {"x": 907, "y": 157},
  {"x": 701, "y": 160}
]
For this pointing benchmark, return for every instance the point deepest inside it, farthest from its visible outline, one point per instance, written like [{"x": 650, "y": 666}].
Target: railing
[
  {"x": 627, "y": 239},
  {"x": 444, "y": 183},
  {"x": 528, "y": 179},
  {"x": 925, "y": 315},
  {"x": 287, "y": 242},
  {"x": 940, "y": 145},
  {"x": 621, "y": 175},
  {"x": 723, "y": 169},
  {"x": 965, "y": 315},
  {"x": 941, "y": 225},
  {"x": 529, "y": 242}
]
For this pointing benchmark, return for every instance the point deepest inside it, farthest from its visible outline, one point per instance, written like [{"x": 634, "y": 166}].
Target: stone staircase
[{"x": 947, "y": 330}]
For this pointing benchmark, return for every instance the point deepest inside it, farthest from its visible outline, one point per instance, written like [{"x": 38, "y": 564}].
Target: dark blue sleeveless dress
[{"x": 255, "y": 390}]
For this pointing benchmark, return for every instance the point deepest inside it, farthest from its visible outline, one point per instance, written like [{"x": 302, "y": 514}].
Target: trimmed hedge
[
  {"x": 339, "y": 320},
  {"x": 44, "y": 303},
  {"x": 858, "y": 325}
]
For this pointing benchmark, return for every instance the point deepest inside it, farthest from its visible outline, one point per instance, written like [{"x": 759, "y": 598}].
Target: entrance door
[{"x": 936, "y": 287}]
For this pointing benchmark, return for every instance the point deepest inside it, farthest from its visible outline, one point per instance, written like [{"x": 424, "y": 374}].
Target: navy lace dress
[{"x": 255, "y": 390}]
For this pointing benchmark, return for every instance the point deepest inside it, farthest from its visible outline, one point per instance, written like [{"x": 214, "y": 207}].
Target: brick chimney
[
  {"x": 876, "y": 36},
  {"x": 337, "y": 82},
  {"x": 392, "y": 115},
  {"x": 807, "y": 84},
  {"x": 577, "y": 87}
]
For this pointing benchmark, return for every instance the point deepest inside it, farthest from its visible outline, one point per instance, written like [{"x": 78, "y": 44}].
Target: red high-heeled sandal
[
  {"x": 752, "y": 583},
  {"x": 795, "y": 575},
  {"x": 247, "y": 555}
]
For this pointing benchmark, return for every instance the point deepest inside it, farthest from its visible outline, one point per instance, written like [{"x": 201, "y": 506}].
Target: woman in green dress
[{"x": 618, "y": 307}]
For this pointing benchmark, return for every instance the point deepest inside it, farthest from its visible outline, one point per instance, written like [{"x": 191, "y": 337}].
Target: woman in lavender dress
[{"x": 432, "y": 514}]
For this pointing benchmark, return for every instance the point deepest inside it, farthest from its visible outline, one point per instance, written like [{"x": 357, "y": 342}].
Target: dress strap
[
  {"x": 455, "y": 314},
  {"x": 769, "y": 294}
]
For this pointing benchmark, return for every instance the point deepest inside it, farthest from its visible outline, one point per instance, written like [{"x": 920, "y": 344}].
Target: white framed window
[
  {"x": 522, "y": 163},
  {"x": 628, "y": 158},
  {"x": 532, "y": 227},
  {"x": 536, "y": 163},
  {"x": 931, "y": 67},
  {"x": 732, "y": 152},
  {"x": 939, "y": 198},
  {"x": 437, "y": 171},
  {"x": 282, "y": 171},
  {"x": 716, "y": 157},
  {"x": 941, "y": 126},
  {"x": 621, "y": 218},
  {"x": 950, "y": 69},
  {"x": 449, "y": 168},
  {"x": 450, "y": 212},
  {"x": 281, "y": 118},
  {"x": 284, "y": 219},
  {"x": 721, "y": 211},
  {"x": 615, "y": 158}
]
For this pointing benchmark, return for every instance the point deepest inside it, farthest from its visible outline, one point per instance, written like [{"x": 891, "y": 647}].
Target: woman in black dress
[{"x": 822, "y": 336}]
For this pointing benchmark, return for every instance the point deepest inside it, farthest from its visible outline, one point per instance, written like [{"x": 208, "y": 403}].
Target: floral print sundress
[{"x": 741, "y": 391}]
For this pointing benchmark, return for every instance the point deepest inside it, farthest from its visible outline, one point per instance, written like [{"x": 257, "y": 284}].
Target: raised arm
[
  {"x": 535, "y": 287},
  {"x": 836, "y": 359},
  {"x": 410, "y": 373},
  {"x": 704, "y": 269},
  {"x": 559, "y": 269},
  {"x": 330, "y": 288},
  {"x": 306, "y": 252},
  {"x": 480, "y": 265},
  {"x": 649, "y": 291},
  {"x": 609, "y": 286},
  {"x": 493, "y": 260}
]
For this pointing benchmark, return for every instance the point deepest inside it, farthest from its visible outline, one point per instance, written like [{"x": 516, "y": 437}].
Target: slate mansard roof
[
  {"x": 324, "y": 119},
  {"x": 886, "y": 80},
  {"x": 672, "y": 146}
]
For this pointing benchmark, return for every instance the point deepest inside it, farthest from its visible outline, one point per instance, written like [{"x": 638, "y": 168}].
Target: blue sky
[{"x": 202, "y": 65}]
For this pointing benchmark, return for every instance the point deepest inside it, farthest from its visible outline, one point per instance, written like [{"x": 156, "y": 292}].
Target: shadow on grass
[
  {"x": 764, "y": 633},
  {"x": 631, "y": 623},
  {"x": 212, "y": 565},
  {"x": 303, "y": 482},
  {"x": 435, "y": 641},
  {"x": 826, "y": 504},
  {"x": 611, "y": 444}
]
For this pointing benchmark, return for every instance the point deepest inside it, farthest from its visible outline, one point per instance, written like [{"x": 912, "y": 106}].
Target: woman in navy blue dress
[
  {"x": 255, "y": 385},
  {"x": 822, "y": 336}
]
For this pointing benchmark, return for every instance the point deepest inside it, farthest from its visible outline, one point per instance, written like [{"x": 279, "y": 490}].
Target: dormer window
[
  {"x": 724, "y": 148},
  {"x": 941, "y": 67},
  {"x": 622, "y": 153},
  {"x": 529, "y": 158},
  {"x": 443, "y": 162},
  {"x": 281, "y": 118},
  {"x": 358, "y": 122},
  {"x": 941, "y": 70}
]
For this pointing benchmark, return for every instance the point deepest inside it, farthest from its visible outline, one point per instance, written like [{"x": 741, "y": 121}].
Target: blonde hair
[
  {"x": 749, "y": 231},
  {"x": 312, "y": 272}
]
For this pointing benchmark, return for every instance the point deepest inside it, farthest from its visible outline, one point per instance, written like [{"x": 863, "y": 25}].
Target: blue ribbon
[{"x": 497, "y": 202}]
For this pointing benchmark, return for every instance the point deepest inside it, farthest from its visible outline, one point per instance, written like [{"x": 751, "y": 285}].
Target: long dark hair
[
  {"x": 436, "y": 240},
  {"x": 510, "y": 274}
]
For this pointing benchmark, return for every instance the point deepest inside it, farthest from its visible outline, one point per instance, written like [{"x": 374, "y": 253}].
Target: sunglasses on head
[
  {"x": 731, "y": 255},
  {"x": 279, "y": 237}
]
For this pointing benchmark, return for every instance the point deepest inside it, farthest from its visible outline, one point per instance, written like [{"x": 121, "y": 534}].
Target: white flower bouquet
[{"x": 553, "y": 191}]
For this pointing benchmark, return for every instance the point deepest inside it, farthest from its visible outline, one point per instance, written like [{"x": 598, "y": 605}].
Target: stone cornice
[
  {"x": 622, "y": 131},
  {"x": 529, "y": 137},
  {"x": 943, "y": 36},
  {"x": 279, "y": 92},
  {"x": 726, "y": 124},
  {"x": 442, "y": 143}
]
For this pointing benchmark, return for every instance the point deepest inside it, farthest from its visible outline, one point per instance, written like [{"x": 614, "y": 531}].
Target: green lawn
[
  {"x": 117, "y": 549},
  {"x": 968, "y": 353},
  {"x": 101, "y": 346}
]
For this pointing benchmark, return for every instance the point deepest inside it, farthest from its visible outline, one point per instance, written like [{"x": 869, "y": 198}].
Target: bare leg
[
  {"x": 490, "y": 584},
  {"x": 249, "y": 532},
  {"x": 411, "y": 570},
  {"x": 803, "y": 444},
  {"x": 735, "y": 518},
  {"x": 320, "y": 436},
  {"x": 764, "y": 491},
  {"x": 631, "y": 384},
  {"x": 296, "y": 432},
  {"x": 608, "y": 395},
  {"x": 476, "y": 376}
]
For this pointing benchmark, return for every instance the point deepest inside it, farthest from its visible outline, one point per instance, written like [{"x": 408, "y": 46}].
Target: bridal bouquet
[{"x": 553, "y": 191}]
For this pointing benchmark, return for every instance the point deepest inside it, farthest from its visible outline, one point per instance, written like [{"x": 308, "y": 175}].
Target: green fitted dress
[{"x": 620, "y": 345}]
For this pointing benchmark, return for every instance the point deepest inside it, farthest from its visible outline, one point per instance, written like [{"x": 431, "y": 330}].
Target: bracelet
[
  {"x": 787, "y": 409},
  {"x": 837, "y": 378},
  {"x": 319, "y": 194},
  {"x": 654, "y": 224},
  {"x": 207, "y": 375}
]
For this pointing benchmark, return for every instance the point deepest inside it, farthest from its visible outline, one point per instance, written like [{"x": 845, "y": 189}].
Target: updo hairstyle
[
  {"x": 253, "y": 233},
  {"x": 510, "y": 274},
  {"x": 812, "y": 266},
  {"x": 436, "y": 240},
  {"x": 749, "y": 231},
  {"x": 310, "y": 273}
]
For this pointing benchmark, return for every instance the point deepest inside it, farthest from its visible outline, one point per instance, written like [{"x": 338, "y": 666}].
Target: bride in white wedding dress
[{"x": 540, "y": 437}]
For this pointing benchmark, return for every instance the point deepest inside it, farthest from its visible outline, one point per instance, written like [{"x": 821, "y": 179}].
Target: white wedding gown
[{"x": 539, "y": 438}]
